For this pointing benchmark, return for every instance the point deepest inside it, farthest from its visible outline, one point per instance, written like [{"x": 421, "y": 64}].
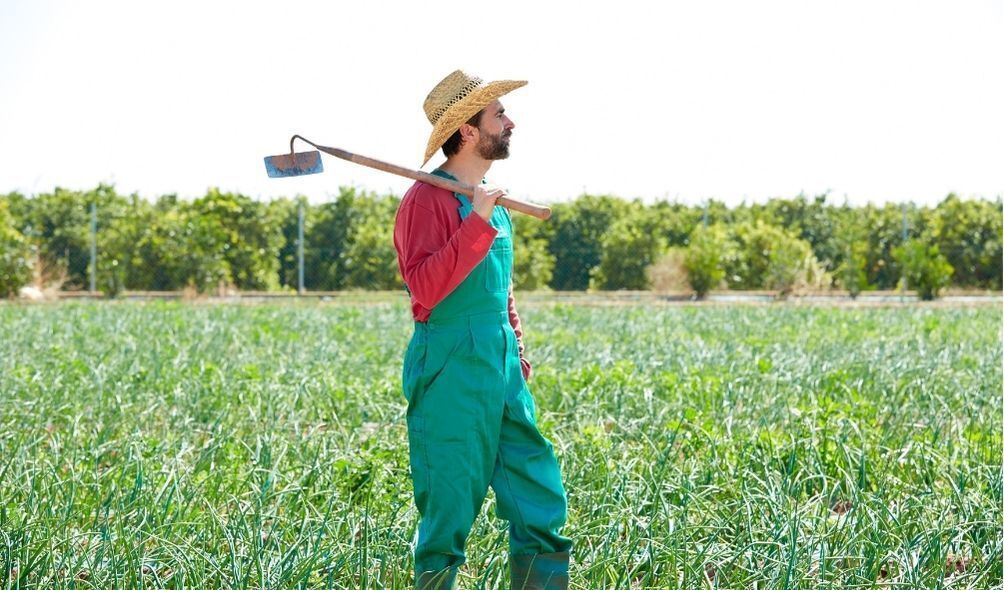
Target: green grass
[{"x": 177, "y": 445}]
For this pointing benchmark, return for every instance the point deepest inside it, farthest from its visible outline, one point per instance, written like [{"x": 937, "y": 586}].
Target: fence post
[
  {"x": 902, "y": 294},
  {"x": 94, "y": 248},
  {"x": 299, "y": 251}
]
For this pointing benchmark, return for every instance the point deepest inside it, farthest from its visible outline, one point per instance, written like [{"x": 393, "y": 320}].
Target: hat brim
[{"x": 464, "y": 109}]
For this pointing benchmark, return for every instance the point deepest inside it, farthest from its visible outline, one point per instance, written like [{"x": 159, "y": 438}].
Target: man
[{"x": 471, "y": 420}]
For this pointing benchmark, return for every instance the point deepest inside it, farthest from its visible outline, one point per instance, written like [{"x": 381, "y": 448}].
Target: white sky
[{"x": 879, "y": 100}]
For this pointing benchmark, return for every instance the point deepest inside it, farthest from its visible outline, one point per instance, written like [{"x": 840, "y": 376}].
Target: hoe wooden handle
[{"x": 538, "y": 211}]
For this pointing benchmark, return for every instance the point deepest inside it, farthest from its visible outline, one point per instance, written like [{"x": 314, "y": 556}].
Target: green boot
[
  {"x": 445, "y": 579},
  {"x": 543, "y": 571}
]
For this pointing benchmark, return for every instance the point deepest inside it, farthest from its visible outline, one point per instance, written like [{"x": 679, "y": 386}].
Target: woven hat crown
[{"x": 449, "y": 92}]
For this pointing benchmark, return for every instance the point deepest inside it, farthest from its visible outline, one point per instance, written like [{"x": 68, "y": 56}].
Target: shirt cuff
[{"x": 479, "y": 234}]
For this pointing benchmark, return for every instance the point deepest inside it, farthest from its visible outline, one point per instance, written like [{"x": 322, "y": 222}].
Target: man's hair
[{"x": 452, "y": 145}]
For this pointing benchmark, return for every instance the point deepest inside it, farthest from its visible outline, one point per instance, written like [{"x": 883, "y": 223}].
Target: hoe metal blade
[{"x": 292, "y": 164}]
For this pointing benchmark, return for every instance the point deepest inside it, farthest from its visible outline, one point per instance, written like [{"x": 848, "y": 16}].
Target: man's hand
[{"x": 484, "y": 200}]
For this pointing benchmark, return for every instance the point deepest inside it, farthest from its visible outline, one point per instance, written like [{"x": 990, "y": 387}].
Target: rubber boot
[
  {"x": 445, "y": 579},
  {"x": 543, "y": 571}
]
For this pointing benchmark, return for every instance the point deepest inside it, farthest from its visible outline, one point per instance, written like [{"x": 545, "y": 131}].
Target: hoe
[{"x": 300, "y": 163}]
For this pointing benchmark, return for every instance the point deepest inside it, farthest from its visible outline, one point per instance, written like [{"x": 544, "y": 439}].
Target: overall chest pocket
[{"x": 498, "y": 270}]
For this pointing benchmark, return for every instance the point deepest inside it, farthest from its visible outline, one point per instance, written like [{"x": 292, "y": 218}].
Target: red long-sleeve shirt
[{"x": 436, "y": 251}]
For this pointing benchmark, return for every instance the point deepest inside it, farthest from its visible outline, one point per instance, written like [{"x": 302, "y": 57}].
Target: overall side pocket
[{"x": 413, "y": 368}]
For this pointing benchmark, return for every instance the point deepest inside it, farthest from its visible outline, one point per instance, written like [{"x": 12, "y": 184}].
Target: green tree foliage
[
  {"x": 746, "y": 263},
  {"x": 15, "y": 254},
  {"x": 924, "y": 268},
  {"x": 220, "y": 238},
  {"x": 287, "y": 212},
  {"x": 714, "y": 211},
  {"x": 369, "y": 258},
  {"x": 851, "y": 255},
  {"x": 704, "y": 260},
  {"x": 676, "y": 221},
  {"x": 533, "y": 265},
  {"x": 60, "y": 223},
  {"x": 160, "y": 246},
  {"x": 809, "y": 220},
  {"x": 632, "y": 243},
  {"x": 790, "y": 262},
  {"x": 884, "y": 230},
  {"x": 969, "y": 235},
  {"x": 600, "y": 242},
  {"x": 122, "y": 224},
  {"x": 178, "y": 250},
  {"x": 245, "y": 234},
  {"x": 19, "y": 209},
  {"x": 768, "y": 257},
  {"x": 851, "y": 271},
  {"x": 328, "y": 241},
  {"x": 349, "y": 243},
  {"x": 578, "y": 230}
]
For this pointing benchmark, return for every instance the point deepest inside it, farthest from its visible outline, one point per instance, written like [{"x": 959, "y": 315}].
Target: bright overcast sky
[{"x": 878, "y": 100}]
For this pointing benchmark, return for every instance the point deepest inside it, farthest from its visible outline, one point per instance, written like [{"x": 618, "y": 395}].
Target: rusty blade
[{"x": 296, "y": 164}]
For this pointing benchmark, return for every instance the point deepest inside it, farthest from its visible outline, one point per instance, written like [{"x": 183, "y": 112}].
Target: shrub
[
  {"x": 969, "y": 234},
  {"x": 628, "y": 248},
  {"x": 704, "y": 259},
  {"x": 533, "y": 266},
  {"x": 577, "y": 246},
  {"x": 770, "y": 257},
  {"x": 852, "y": 272},
  {"x": 15, "y": 256},
  {"x": 924, "y": 268}
]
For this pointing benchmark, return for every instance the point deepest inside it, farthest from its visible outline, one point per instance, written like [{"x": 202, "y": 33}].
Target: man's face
[{"x": 494, "y": 130}]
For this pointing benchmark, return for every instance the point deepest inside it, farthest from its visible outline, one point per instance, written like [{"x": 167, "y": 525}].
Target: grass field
[{"x": 175, "y": 445}]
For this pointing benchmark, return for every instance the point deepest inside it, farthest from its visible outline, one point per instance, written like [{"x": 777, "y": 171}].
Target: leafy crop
[{"x": 177, "y": 445}]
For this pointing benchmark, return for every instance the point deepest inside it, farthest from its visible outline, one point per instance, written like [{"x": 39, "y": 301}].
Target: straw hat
[{"x": 456, "y": 99}]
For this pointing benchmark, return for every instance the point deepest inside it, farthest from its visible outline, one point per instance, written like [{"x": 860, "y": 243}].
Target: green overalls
[{"x": 471, "y": 425}]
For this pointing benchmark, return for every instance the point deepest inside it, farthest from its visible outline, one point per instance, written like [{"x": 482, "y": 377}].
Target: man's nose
[{"x": 509, "y": 124}]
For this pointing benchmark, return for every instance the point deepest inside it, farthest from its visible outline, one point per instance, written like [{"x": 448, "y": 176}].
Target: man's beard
[{"x": 494, "y": 147}]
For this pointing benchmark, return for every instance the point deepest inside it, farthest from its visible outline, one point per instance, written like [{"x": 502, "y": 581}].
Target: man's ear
[{"x": 467, "y": 132}]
